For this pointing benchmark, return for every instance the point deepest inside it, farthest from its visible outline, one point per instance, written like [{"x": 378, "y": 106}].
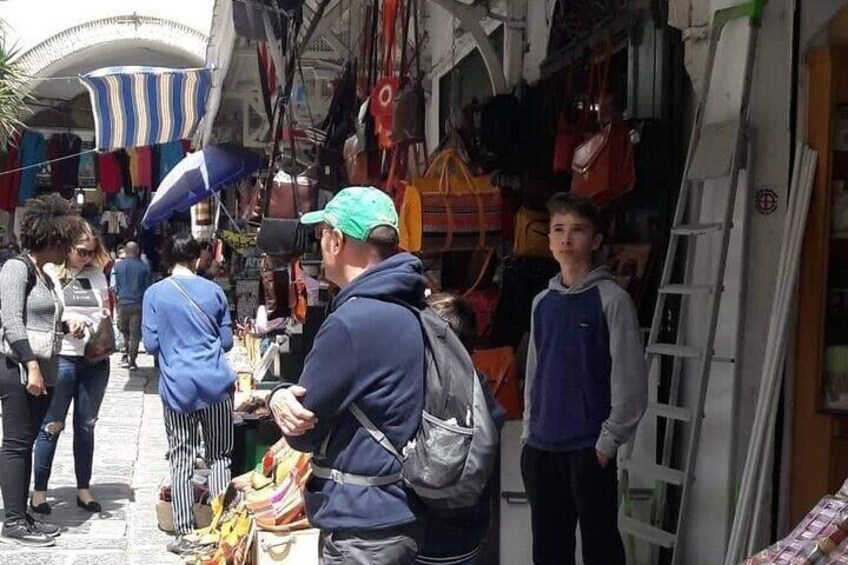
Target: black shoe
[
  {"x": 21, "y": 533},
  {"x": 43, "y": 508},
  {"x": 132, "y": 367},
  {"x": 92, "y": 506},
  {"x": 123, "y": 363},
  {"x": 50, "y": 530},
  {"x": 181, "y": 546}
]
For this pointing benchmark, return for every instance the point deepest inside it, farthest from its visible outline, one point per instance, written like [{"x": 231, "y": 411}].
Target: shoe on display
[
  {"x": 21, "y": 533},
  {"x": 181, "y": 546},
  {"x": 51, "y": 530}
]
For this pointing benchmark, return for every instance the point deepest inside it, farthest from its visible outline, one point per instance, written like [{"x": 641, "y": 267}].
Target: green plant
[{"x": 14, "y": 92}]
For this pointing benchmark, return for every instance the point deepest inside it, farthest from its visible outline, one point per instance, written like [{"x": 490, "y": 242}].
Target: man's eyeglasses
[{"x": 83, "y": 252}]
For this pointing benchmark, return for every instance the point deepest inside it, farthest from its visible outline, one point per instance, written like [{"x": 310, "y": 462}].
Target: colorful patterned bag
[{"x": 448, "y": 209}]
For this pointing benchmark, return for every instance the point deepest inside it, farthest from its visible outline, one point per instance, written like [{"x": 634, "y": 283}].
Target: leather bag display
[{"x": 449, "y": 209}]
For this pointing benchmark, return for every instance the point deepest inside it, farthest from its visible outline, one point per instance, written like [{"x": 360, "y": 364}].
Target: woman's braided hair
[{"x": 49, "y": 221}]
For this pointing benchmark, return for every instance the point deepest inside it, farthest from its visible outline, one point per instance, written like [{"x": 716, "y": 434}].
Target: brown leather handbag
[
  {"x": 291, "y": 196},
  {"x": 604, "y": 167}
]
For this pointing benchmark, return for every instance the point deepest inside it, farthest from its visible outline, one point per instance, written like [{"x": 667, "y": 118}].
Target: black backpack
[{"x": 450, "y": 459}]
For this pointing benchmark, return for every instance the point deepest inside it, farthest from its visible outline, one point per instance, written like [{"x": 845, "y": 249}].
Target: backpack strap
[
  {"x": 343, "y": 478},
  {"x": 374, "y": 431}
]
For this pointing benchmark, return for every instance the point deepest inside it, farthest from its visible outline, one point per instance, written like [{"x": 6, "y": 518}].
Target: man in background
[{"x": 132, "y": 277}]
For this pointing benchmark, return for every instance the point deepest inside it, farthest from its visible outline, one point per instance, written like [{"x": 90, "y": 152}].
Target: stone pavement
[{"x": 129, "y": 465}]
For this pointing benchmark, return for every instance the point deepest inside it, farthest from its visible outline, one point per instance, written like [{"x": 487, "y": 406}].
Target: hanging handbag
[
  {"x": 385, "y": 89},
  {"x": 408, "y": 126},
  {"x": 101, "y": 341},
  {"x": 448, "y": 209},
  {"x": 604, "y": 168},
  {"x": 498, "y": 366},
  {"x": 274, "y": 289},
  {"x": 531, "y": 234},
  {"x": 298, "y": 298},
  {"x": 291, "y": 196}
]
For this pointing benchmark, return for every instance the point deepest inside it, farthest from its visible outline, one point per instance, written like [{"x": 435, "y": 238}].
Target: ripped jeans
[{"x": 85, "y": 384}]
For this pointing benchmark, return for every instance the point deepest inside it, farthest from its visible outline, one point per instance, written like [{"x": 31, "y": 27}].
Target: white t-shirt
[{"x": 82, "y": 294}]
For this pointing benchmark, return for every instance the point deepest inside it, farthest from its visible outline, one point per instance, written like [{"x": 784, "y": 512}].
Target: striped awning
[{"x": 137, "y": 106}]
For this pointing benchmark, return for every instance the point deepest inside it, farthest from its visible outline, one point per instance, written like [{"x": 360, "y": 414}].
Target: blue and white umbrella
[{"x": 198, "y": 176}]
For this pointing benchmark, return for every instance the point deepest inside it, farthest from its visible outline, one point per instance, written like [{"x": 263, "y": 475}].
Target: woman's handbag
[
  {"x": 448, "y": 209},
  {"x": 101, "y": 341}
]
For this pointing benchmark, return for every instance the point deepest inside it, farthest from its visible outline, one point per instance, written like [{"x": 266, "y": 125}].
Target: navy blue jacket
[
  {"x": 371, "y": 352},
  {"x": 132, "y": 277}
]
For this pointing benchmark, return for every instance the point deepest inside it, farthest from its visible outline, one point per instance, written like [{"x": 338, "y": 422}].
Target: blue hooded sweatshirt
[
  {"x": 371, "y": 352},
  {"x": 586, "y": 381}
]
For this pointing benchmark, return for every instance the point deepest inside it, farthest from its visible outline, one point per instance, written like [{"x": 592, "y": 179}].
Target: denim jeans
[
  {"x": 85, "y": 384},
  {"x": 22, "y": 414}
]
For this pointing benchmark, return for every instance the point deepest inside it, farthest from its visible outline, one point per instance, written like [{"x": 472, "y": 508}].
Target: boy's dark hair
[
  {"x": 459, "y": 315},
  {"x": 384, "y": 240},
  {"x": 184, "y": 249},
  {"x": 49, "y": 221},
  {"x": 568, "y": 203}
]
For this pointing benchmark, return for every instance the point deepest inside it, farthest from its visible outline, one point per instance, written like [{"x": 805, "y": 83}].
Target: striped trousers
[{"x": 216, "y": 424}]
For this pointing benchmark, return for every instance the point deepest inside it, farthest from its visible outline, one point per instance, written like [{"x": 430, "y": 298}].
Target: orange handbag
[
  {"x": 604, "y": 167},
  {"x": 498, "y": 365},
  {"x": 531, "y": 234}
]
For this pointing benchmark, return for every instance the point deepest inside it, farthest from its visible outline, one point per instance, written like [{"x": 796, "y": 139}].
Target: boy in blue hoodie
[
  {"x": 369, "y": 351},
  {"x": 585, "y": 392}
]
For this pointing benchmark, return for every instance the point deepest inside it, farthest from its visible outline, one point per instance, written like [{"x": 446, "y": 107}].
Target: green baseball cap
[{"x": 355, "y": 211}]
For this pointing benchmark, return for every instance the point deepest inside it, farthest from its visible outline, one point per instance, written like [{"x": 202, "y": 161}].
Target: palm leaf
[{"x": 14, "y": 92}]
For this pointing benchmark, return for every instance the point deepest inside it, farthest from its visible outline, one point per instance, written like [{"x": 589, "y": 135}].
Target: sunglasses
[{"x": 83, "y": 252}]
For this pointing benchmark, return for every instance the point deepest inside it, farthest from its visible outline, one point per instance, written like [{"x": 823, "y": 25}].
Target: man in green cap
[{"x": 368, "y": 352}]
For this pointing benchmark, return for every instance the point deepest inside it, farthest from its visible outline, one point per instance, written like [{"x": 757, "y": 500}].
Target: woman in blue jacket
[{"x": 186, "y": 324}]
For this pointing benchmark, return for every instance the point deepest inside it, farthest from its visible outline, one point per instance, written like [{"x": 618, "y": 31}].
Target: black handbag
[{"x": 283, "y": 237}]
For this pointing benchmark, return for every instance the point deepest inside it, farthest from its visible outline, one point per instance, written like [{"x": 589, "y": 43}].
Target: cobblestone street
[{"x": 129, "y": 465}]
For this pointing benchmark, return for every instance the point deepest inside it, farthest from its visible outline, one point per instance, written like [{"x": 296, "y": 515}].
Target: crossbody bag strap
[{"x": 197, "y": 307}]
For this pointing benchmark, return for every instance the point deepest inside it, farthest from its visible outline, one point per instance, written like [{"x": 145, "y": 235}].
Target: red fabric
[
  {"x": 9, "y": 183},
  {"x": 111, "y": 180},
  {"x": 144, "y": 166}
]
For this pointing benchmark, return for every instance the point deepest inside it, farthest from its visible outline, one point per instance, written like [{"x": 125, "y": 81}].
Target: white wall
[{"x": 30, "y": 22}]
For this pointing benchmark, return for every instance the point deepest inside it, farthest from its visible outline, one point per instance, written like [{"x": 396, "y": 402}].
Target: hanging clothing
[
  {"x": 126, "y": 178},
  {"x": 169, "y": 155},
  {"x": 141, "y": 159},
  {"x": 64, "y": 174},
  {"x": 114, "y": 221},
  {"x": 109, "y": 173},
  {"x": 10, "y": 182},
  {"x": 33, "y": 151}
]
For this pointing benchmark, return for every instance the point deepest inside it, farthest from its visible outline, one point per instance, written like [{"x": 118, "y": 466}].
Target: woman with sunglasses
[{"x": 82, "y": 289}]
